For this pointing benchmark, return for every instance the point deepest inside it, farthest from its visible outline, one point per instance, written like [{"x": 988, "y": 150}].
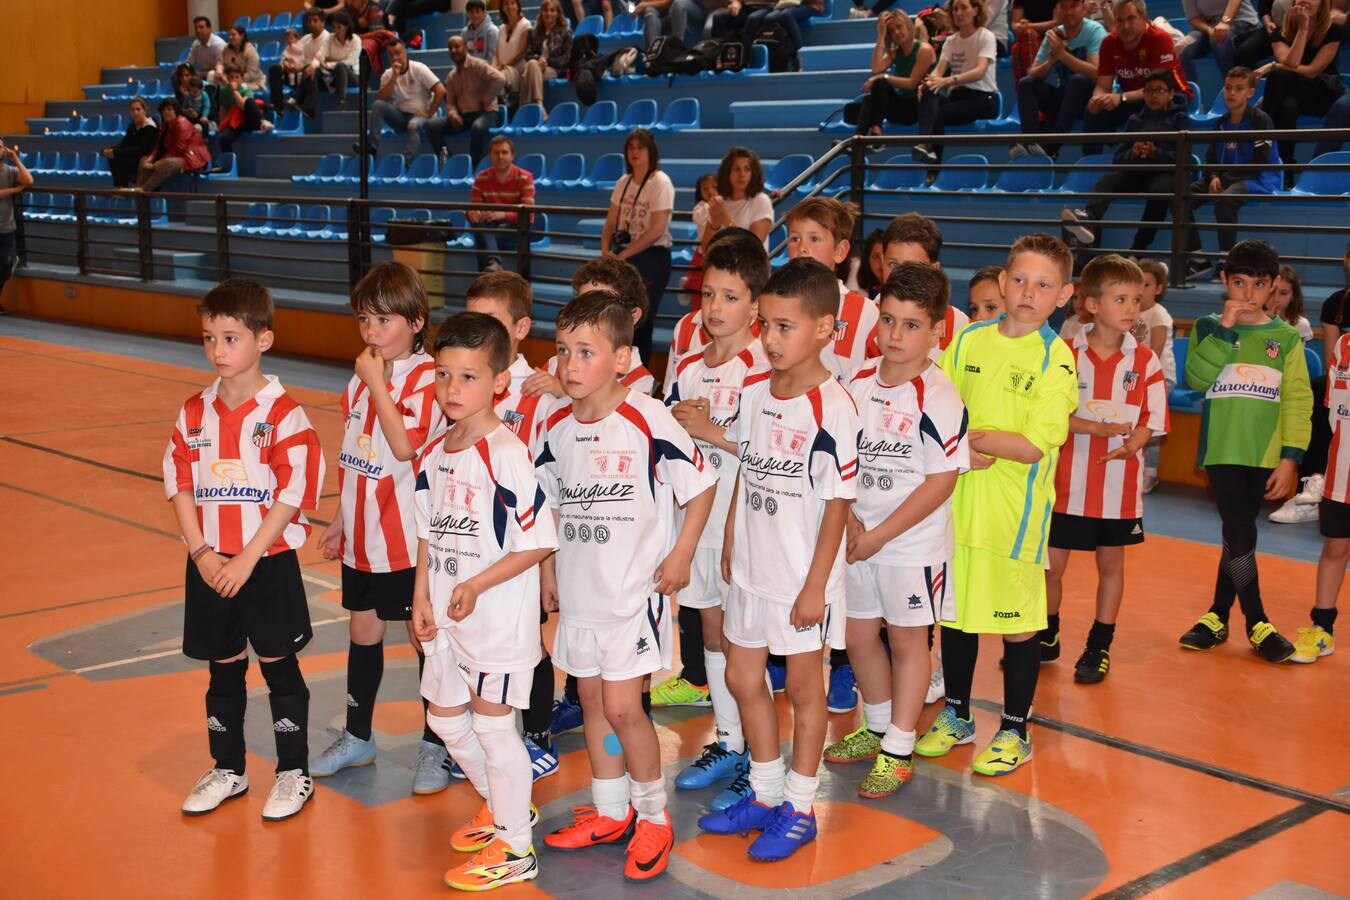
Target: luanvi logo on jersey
[
  {"x": 584, "y": 495},
  {"x": 763, "y": 467},
  {"x": 642, "y": 646},
  {"x": 871, "y": 450},
  {"x": 285, "y": 725},
  {"x": 464, "y": 526}
]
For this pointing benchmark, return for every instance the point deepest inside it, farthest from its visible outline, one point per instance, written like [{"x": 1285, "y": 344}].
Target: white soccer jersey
[
  {"x": 612, "y": 482},
  {"x": 524, "y": 415},
  {"x": 637, "y": 378},
  {"x": 238, "y": 462},
  {"x": 909, "y": 431},
  {"x": 474, "y": 506},
  {"x": 855, "y": 335},
  {"x": 1128, "y": 387},
  {"x": 689, "y": 335},
  {"x": 1337, "y": 484},
  {"x": 720, "y": 385},
  {"x": 376, "y": 488},
  {"x": 795, "y": 455}
]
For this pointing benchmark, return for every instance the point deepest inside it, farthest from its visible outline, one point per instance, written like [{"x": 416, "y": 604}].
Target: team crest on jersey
[
  {"x": 787, "y": 440},
  {"x": 840, "y": 329},
  {"x": 1021, "y": 381},
  {"x": 459, "y": 494},
  {"x": 895, "y": 421},
  {"x": 612, "y": 463},
  {"x": 1272, "y": 348},
  {"x": 262, "y": 434},
  {"x": 512, "y": 420},
  {"x": 1129, "y": 380},
  {"x": 723, "y": 397}
]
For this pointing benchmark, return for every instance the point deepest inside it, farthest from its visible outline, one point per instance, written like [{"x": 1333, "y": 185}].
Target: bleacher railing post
[
  {"x": 1181, "y": 199},
  {"x": 524, "y": 231},
  {"x": 858, "y": 151},
  {"x": 144, "y": 245},
  {"x": 222, "y": 213},
  {"x": 81, "y": 235}
]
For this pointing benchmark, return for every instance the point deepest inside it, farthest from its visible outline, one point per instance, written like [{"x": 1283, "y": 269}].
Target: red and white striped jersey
[
  {"x": 909, "y": 431},
  {"x": 720, "y": 385},
  {"x": 637, "y": 378},
  {"x": 1337, "y": 484},
  {"x": 855, "y": 335},
  {"x": 616, "y": 483},
  {"x": 376, "y": 489},
  {"x": 1128, "y": 387},
  {"x": 473, "y": 507},
  {"x": 524, "y": 415},
  {"x": 796, "y": 455},
  {"x": 238, "y": 462}
]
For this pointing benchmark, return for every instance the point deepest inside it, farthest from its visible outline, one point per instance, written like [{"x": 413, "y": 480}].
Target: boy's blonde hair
[
  {"x": 1047, "y": 245},
  {"x": 834, "y": 216},
  {"x": 1110, "y": 268}
]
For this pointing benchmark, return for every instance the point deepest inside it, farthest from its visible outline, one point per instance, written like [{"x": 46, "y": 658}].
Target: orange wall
[{"x": 50, "y": 49}]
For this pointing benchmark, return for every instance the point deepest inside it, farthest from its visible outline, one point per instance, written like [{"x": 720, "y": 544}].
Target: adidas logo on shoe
[
  {"x": 213, "y": 724},
  {"x": 351, "y": 701},
  {"x": 285, "y": 725}
]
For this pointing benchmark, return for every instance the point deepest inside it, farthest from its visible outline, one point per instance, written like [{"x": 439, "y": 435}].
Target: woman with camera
[{"x": 637, "y": 226}]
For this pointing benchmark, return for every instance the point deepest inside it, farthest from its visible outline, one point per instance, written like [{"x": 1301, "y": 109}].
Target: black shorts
[
  {"x": 269, "y": 613},
  {"x": 1082, "y": 533},
  {"x": 1333, "y": 519},
  {"x": 388, "y": 593}
]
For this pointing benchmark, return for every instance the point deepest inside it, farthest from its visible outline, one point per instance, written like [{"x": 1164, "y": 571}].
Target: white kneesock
[
  {"x": 456, "y": 732},
  {"x": 509, "y": 777},
  {"x": 897, "y": 742},
  {"x": 766, "y": 780},
  {"x": 611, "y": 796},
  {"x": 800, "y": 790},
  {"x": 726, "y": 715},
  {"x": 877, "y": 716},
  {"x": 649, "y": 799}
]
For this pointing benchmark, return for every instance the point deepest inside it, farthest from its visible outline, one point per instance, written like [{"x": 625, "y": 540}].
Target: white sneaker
[
  {"x": 858, "y": 12},
  {"x": 213, "y": 789},
  {"x": 1312, "y": 489},
  {"x": 289, "y": 795},
  {"x": 1293, "y": 512},
  {"x": 937, "y": 687}
]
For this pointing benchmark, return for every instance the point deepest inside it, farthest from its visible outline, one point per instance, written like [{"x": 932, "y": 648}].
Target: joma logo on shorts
[{"x": 1007, "y": 615}]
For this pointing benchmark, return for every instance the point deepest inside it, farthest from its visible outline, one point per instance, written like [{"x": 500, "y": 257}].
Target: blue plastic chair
[
  {"x": 1083, "y": 177},
  {"x": 604, "y": 174},
  {"x": 328, "y": 167},
  {"x": 567, "y": 170},
  {"x": 114, "y": 126},
  {"x": 898, "y": 179},
  {"x": 46, "y": 162},
  {"x": 62, "y": 208},
  {"x": 254, "y": 219},
  {"x": 389, "y": 170},
  {"x": 1017, "y": 179},
  {"x": 540, "y": 227},
  {"x": 281, "y": 21},
  {"x": 228, "y": 164},
  {"x": 244, "y": 22},
  {"x": 1328, "y": 182},
  {"x": 84, "y": 164},
  {"x": 836, "y": 186},
  {"x": 36, "y": 205},
  {"x": 350, "y": 171},
  {"x": 1196, "y": 106},
  {"x": 316, "y": 222},
  {"x": 101, "y": 166},
  {"x": 422, "y": 170},
  {"x": 1183, "y": 397},
  {"x": 590, "y": 25},
  {"x": 151, "y": 90},
  {"x": 600, "y": 118},
  {"x": 269, "y": 52},
  {"x": 261, "y": 22},
  {"x": 963, "y": 179},
  {"x": 379, "y": 223},
  {"x": 291, "y": 123},
  {"x": 564, "y": 117},
  {"x": 528, "y": 118},
  {"x": 682, "y": 113},
  {"x": 282, "y": 222},
  {"x": 786, "y": 169},
  {"x": 639, "y": 114},
  {"x": 1316, "y": 369},
  {"x": 92, "y": 126},
  {"x": 67, "y": 164},
  {"x": 533, "y": 163},
  {"x": 457, "y": 171}
]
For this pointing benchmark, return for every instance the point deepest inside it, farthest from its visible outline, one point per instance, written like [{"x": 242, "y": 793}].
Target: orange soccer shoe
[
  {"x": 590, "y": 829},
  {"x": 496, "y": 865},
  {"x": 480, "y": 831},
  {"x": 649, "y": 850}
]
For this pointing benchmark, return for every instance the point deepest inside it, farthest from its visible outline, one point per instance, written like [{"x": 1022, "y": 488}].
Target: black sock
[
  {"x": 838, "y": 657},
  {"x": 959, "y": 652},
  {"x": 1324, "y": 619},
  {"x": 691, "y": 646},
  {"x": 428, "y": 735},
  {"x": 570, "y": 690},
  {"x": 289, "y": 698},
  {"x": 1100, "y": 635},
  {"x": 1051, "y": 630},
  {"x": 537, "y": 721},
  {"x": 1021, "y": 667},
  {"x": 226, "y": 699},
  {"x": 647, "y": 702},
  {"x": 365, "y": 668}
]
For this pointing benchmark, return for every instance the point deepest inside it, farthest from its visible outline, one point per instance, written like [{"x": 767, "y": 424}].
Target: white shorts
[
  {"x": 618, "y": 652},
  {"x": 752, "y": 621},
  {"x": 706, "y": 588},
  {"x": 448, "y": 682},
  {"x": 905, "y": 596}
]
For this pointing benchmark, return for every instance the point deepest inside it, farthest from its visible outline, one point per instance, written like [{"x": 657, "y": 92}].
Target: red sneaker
[
  {"x": 649, "y": 850},
  {"x": 590, "y": 829}
]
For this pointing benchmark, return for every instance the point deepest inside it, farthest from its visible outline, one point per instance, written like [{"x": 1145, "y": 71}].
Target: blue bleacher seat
[
  {"x": 1316, "y": 369},
  {"x": 101, "y": 166},
  {"x": 328, "y": 167},
  {"x": 949, "y": 179},
  {"x": 182, "y": 58},
  {"x": 605, "y": 173},
  {"x": 63, "y": 207},
  {"x": 36, "y": 204},
  {"x": 315, "y": 222},
  {"x": 838, "y": 185},
  {"x": 682, "y": 113},
  {"x": 227, "y": 163},
  {"x": 1326, "y": 182},
  {"x": 1017, "y": 179},
  {"x": 281, "y": 21},
  {"x": 261, "y": 22},
  {"x": 91, "y": 126},
  {"x": 590, "y": 25},
  {"x": 282, "y": 221},
  {"x": 1196, "y": 106},
  {"x": 379, "y": 223},
  {"x": 457, "y": 171},
  {"x": 1083, "y": 177},
  {"x": 484, "y": 163},
  {"x": 565, "y": 172},
  {"x": 623, "y": 26},
  {"x": 87, "y": 164},
  {"x": 67, "y": 164},
  {"x": 269, "y": 52},
  {"x": 528, "y": 118},
  {"x": 291, "y": 123},
  {"x": 254, "y": 218},
  {"x": 639, "y": 114},
  {"x": 150, "y": 89},
  {"x": 1182, "y": 397},
  {"x": 422, "y": 170},
  {"x": 786, "y": 169},
  {"x": 113, "y": 126},
  {"x": 244, "y": 22},
  {"x": 71, "y": 126},
  {"x": 599, "y": 118},
  {"x": 533, "y": 163},
  {"x": 349, "y": 169},
  {"x": 539, "y": 226},
  {"x": 563, "y": 117},
  {"x": 898, "y": 179},
  {"x": 389, "y": 170},
  {"x": 46, "y": 162}
]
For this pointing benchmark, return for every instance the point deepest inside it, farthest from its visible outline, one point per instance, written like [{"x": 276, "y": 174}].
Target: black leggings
[
  {"x": 1238, "y": 493},
  {"x": 1289, "y": 95},
  {"x": 653, "y": 264},
  {"x": 885, "y": 104}
]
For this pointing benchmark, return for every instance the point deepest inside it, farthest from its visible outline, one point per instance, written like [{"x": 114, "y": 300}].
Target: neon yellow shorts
[{"x": 995, "y": 594}]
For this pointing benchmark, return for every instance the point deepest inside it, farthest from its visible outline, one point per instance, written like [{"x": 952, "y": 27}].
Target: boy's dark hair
[
  {"x": 984, "y": 273},
  {"x": 1162, "y": 75},
  {"x": 475, "y": 4},
  {"x": 1242, "y": 72},
  {"x": 1252, "y": 257},
  {"x": 508, "y": 287},
  {"x": 602, "y": 310},
  {"x": 316, "y": 14},
  {"x": 912, "y": 228},
  {"x": 1047, "y": 245},
  {"x": 394, "y": 289},
  {"x": 1158, "y": 270},
  {"x": 813, "y": 285},
  {"x": 619, "y": 274},
  {"x": 201, "y": 19},
  {"x": 731, "y": 231},
  {"x": 232, "y": 69},
  {"x": 239, "y": 298},
  {"x": 1109, "y": 268},
  {"x": 756, "y": 185},
  {"x": 646, "y": 139},
  {"x": 867, "y": 282},
  {"x": 170, "y": 103},
  {"x": 925, "y": 286},
  {"x": 743, "y": 257},
  {"x": 477, "y": 331}
]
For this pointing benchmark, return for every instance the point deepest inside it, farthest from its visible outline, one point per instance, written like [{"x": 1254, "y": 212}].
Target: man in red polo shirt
[
  {"x": 1135, "y": 48},
  {"x": 501, "y": 182}
]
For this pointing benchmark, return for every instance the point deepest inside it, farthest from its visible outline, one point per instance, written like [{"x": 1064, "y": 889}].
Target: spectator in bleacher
[
  {"x": 655, "y": 18},
  {"x": 689, "y": 17},
  {"x": 298, "y": 67},
  {"x": 791, "y": 18},
  {"x": 410, "y": 93},
  {"x": 1219, "y": 26},
  {"x": 740, "y": 201},
  {"x": 637, "y": 226},
  {"x": 1062, "y": 78},
  {"x": 242, "y": 54},
  {"x": 1031, "y": 19},
  {"x": 1304, "y": 78},
  {"x": 180, "y": 148},
  {"x": 238, "y": 113},
  {"x": 480, "y": 33},
  {"x": 367, "y": 16},
  {"x": 198, "y": 106},
  {"x": 513, "y": 39},
  {"x": 872, "y": 268},
  {"x": 899, "y": 63},
  {"x": 139, "y": 140},
  {"x": 1127, "y": 55},
  {"x": 961, "y": 88},
  {"x": 548, "y": 52},
  {"x": 744, "y": 16},
  {"x": 1102, "y": 12},
  {"x": 338, "y": 59},
  {"x": 204, "y": 55},
  {"x": 1159, "y": 114},
  {"x": 14, "y": 178},
  {"x": 368, "y": 21},
  {"x": 996, "y": 20},
  {"x": 580, "y": 9},
  {"x": 399, "y": 14},
  {"x": 324, "y": 8},
  {"x": 1253, "y": 48},
  {"x": 471, "y": 90},
  {"x": 501, "y": 182}
]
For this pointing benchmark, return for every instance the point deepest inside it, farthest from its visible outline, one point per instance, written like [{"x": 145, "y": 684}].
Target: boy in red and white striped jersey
[
  {"x": 1099, "y": 483},
  {"x": 1317, "y": 639},
  {"x": 389, "y": 411},
  {"x": 242, "y": 463}
]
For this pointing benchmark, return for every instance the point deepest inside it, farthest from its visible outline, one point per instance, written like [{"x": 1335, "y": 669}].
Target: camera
[{"x": 619, "y": 239}]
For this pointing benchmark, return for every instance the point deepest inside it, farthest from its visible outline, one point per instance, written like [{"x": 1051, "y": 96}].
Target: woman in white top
[
  {"x": 637, "y": 226},
  {"x": 513, "y": 37},
  {"x": 339, "y": 57},
  {"x": 740, "y": 200},
  {"x": 962, "y": 87},
  {"x": 240, "y": 52}
]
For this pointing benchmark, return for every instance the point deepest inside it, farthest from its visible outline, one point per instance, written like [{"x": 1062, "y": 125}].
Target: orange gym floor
[{"x": 1183, "y": 775}]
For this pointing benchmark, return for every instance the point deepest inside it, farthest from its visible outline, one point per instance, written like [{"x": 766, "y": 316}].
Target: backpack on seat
[{"x": 774, "y": 37}]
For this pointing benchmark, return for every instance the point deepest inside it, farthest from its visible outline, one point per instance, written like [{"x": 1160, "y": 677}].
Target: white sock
[
  {"x": 726, "y": 715},
  {"x": 800, "y": 790},
  {"x": 611, "y": 796},
  {"x": 649, "y": 799},
  {"x": 897, "y": 742},
  {"x": 509, "y": 777},
  {"x": 877, "y": 716},
  {"x": 766, "y": 780},
  {"x": 457, "y": 734}
]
